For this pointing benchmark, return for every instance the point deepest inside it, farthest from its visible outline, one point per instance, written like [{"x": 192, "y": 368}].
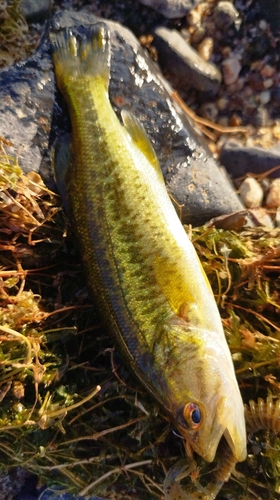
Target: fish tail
[{"x": 77, "y": 56}]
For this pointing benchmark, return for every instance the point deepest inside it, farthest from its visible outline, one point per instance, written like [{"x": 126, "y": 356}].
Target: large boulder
[{"x": 33, "y": 114}]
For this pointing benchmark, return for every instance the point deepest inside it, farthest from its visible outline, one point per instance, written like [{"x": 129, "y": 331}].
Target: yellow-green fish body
[{"x": 144, "y": 272}]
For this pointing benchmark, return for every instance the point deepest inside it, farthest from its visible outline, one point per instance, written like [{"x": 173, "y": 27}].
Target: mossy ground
[{"x": 69, "y": 410}]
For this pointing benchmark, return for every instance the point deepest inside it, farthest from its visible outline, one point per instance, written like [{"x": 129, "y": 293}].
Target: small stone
[
  {"x": 265, "y": 97},
  {"x": 240, "y": 160},
  {"x": 236, "y": 86},
  {"x": 231, "y": 69},
  {"x": 263, "y": 25},
  {"x": 251, "y": 193},
  {"x": 260, "y": 117},
  {"x": 235, "y": 120},
  {"x": 268, "y": 83},
  {"x": 265, "y": 184},
  {"x": 267, "y": 71},
  {"x": 194, "y": 18},
  {"x": 222, "y": 103},
  {"x": 273, "y": 197},
  {"x": 261, "y": 217},
  {"x": 205, "y": 48},
  {"x": 197, "y": 35},
  {"x": 225, "y": 15},
  {"x": 209, "y": 110},
  {"x": 184, "y": 62}
]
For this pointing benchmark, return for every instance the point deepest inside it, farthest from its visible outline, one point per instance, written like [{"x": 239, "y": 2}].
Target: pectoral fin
[
  {"x": 173, "y": 286},
  {"x": 62, "y": 159},
  {"x": 141, "y": 140}
]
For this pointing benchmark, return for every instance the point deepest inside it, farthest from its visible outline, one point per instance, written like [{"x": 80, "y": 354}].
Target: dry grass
[{"x": 17, "y": 41}]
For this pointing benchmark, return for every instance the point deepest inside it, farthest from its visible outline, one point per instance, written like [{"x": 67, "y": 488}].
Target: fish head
[{"x": 208, "y": 402}]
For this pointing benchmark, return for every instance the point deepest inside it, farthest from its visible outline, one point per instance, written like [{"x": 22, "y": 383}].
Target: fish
[{"x": 142, "y": 269}]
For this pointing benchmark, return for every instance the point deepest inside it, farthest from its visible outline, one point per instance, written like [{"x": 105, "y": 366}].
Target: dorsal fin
[{"x": 141, "y": 140}]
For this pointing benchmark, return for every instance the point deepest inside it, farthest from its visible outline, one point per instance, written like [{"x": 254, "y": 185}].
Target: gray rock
[
  {"x": 51, "y": 494},
  {"x": 27, "y": 97},
  {"x": 240, "y": 160},
  {"x": 12, "y": 482},
  {"x": 185, "y": 63},
  {"x": 26, "y": 104},
  {"x": 171, "y": 8},
  {"x": 225, "y": 15},
  {"x": 35, "y": 10},
  {"x": 48, "y": 494}
]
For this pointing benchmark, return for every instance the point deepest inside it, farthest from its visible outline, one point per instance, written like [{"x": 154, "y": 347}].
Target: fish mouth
[
  {"x": 210, "y": 453},
  {"x": 235, "y": 437},
  {"x": 237, "y": 444}
]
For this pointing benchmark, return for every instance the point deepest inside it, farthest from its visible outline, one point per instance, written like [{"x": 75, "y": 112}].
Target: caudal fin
[{"x": 81, "y": 55}]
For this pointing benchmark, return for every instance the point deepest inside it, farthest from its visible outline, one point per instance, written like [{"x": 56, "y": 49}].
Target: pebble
[
  {"x": 260, "y": 117},
  {"x": 197, "y": 35},
  {"x": 53, "y": 494},
  {"x": 178, "y": 57},
  {"x": 194, "y": 18},
  {"x": 222, "y": 103},
  {"x": 171, "y": 8},
  {"x": 251, "y": 192},
  {"x": 205, "y": 48},
  {"x": 260, "y": 217},
  {"x": 265, "y": 97},
  {"x": 268, "y": 83},
  {"x": 273, "y": 197},
  {"x": 265, "y": 184},
  {"x": 267, "y": 71},
  {"x": 225, "y": 15},
  {"x": 209, "y": 110},
  {"x": 231, "y": 69},
  {"x": 240, "y": 160},
  {"x": 235, "y": 120}
]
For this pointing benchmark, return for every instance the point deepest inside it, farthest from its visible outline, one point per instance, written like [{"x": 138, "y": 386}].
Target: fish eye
[{"x": 193, "y": 415}]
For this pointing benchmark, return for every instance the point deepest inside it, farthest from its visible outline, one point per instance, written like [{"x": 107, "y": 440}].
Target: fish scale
[{"x": 142, "y": 268}]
